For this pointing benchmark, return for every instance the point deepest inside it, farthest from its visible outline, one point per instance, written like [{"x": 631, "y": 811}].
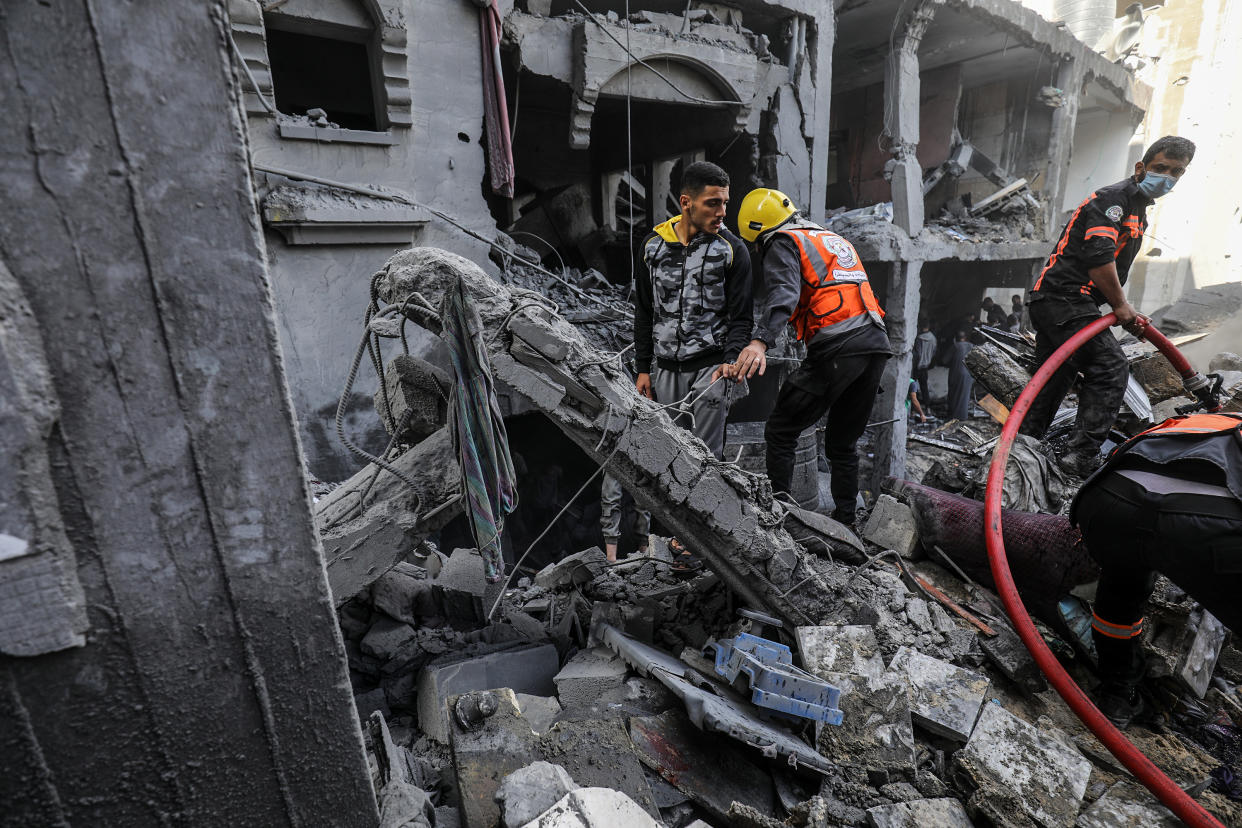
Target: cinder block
[
  {"x": 588, "y": 675},
  {"x": 892, "y": 526},
  {"x": 522, "y": 669},
  {"x": 1010, "y": 760},
  {"x": 920, "y": 813},
  {"x": 944, "y": 698}
]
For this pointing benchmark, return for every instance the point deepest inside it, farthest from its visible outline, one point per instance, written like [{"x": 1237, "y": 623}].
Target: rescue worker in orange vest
[
  {"x": 1167, "y": 501},
  {"x": 813, "y": 280}
]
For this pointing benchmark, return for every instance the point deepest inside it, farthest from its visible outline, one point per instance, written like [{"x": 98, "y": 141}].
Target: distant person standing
[
  {"x": 994, "y": 314},
  {"x": 921, "y": 360},
  {"x": 961, "y": 381},
  {"x": 1088, "y": 267}
]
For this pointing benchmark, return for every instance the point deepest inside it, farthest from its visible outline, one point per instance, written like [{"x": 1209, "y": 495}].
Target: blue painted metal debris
[{"x": 775, "y": 683}]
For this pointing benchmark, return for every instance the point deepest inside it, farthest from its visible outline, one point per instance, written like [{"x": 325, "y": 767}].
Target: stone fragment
[
  {"x": 371, "y": 701},
  {"x": 1225, "y": 361},
  {"x": 892, "y": 526},
  {"x": 525, "y": 669},
  {"x": 528, "y": 792},
  {"x": 919, "y": 615},
  {"x": 493, "y": 747},
  {"x": 1010, "y": 655},
  {"x": 594, "y": 808},
  {"x": 846, "y": 649},
  {"x": 1008, "y": 759},
  {"x": 578, "y": 568},
  {"x": 875, "y": 731},
  {"x": 588, "y": 675},
  {"x": 385, "y": 637},
  {"x": 460, "y": 587},
  {"x": 919, "y": 813},
  {"x": 401, "y": 592},
  {"x": 1127, "y": 805},
  {"x": 944, "y": 698},
  {"x": 415, "y": 386},
  {"x": 539, "y": 711}
]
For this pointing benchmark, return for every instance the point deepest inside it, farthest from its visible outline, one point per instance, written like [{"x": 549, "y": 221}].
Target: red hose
[{"x": 1165, "y": 789}]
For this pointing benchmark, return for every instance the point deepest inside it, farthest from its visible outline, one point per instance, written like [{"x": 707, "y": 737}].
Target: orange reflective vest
[
  {"x": 1214, "y": 439},
  {"x": 836, "y": 296}
]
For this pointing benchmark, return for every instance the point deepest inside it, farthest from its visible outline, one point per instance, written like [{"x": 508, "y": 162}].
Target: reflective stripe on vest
[
  {"x": 1194, "y": 424},
  {"x": 836, "y": 295}
]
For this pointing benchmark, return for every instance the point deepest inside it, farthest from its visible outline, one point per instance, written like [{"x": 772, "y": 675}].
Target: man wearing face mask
[{"x": 1088, "y": 267}]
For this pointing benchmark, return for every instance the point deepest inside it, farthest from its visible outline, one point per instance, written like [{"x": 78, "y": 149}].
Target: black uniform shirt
[{"x": 1108, "y": 226}]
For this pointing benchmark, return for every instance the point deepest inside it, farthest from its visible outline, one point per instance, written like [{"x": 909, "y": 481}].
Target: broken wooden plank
[{"x": 995, "y": 408}]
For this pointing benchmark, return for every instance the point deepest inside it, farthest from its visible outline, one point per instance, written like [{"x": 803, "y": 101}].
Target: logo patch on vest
[
  {"x": 849, "y": 275},
  {"x": 843, "y": 250},
  {"x": 1114, "y": 212}
]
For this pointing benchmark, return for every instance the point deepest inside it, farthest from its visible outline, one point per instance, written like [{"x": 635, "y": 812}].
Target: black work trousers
[
  {"x": 843, "y": 385},
  {"x": 1193, "y": 540},
  {"x": 1100, "y": 360}
]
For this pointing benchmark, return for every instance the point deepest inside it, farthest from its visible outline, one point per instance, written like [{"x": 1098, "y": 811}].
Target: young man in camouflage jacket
[{"x": 693, "y": 306}]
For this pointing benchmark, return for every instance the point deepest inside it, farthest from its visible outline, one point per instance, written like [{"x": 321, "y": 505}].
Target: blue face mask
[{"x": 1155, "y": 185}]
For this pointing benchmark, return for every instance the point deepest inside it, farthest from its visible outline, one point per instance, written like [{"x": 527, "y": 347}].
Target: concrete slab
[
  {"x": 920, "y": 813},
  {"x": 574, "y": 569},
  {"x": 528, "y": 792},
  {"x": 1127, "y": 805},
  {"x": 492, "y": 749},
  {"x": 1009, "y": 759},
  {"x": 460, "y": 587},
  {"x": 944, "y": 698},
  {"x": 594, "y": 808},
  {"x": 846, "y": 649},
  {"x": 892, "y": 526},
  {"x": 600, "y": 754},
  {"x": 875, "y": 731},
  {"x": 524, "y": 669},
  {"x": 705, "y": 767},
  {"x": 588, "y": 675}
]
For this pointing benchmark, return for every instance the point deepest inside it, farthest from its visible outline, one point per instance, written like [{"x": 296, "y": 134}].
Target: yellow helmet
[{"x": 763, "y": 210}]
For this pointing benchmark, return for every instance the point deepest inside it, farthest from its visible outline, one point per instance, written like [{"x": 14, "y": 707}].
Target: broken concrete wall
[
  {"x": 431, "y": 149},
  {"x": 132, "y": 232}
]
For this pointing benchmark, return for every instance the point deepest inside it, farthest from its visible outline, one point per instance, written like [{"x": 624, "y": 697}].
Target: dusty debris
[{"x": 892, "y": 526}]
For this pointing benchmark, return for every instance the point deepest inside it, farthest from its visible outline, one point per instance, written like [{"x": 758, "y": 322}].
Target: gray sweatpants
[
  {"x": 706, "y": 416},
  {"x": 610, "y": 513}
]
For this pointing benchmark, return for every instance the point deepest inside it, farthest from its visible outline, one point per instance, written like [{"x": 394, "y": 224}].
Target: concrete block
[
  {"x": 1009, "y": 759},
  {"x": 385, "y": 637},
  {"x": 578, "y": 568},
  {"x": 497, "y": 743},
  {"x": 876, "y": 732},
  {"x": 847, "y": 649},
  {"x": 920, "y": 813},
  {"x": 460, "y": 587},
  {"x": 1008, "y": 653},
  {"x": 539, "y": 711},
  {"x": 416, "y": 386},
  {"x": 594, "y": 808},
  {"x": 944, "y": 698},
  {"x": 522, "y": 669},
  {"x": 528, "y": 792},
  {"x": 1127, "y": 805},
  {"x": 401, "y": 592},
  {"x": 892, "y": 526},
  {"x": 588, "y": 675}
]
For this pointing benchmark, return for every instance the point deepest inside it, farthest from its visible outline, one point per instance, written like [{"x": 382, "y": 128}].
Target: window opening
[{"x": 321, "y": 71}]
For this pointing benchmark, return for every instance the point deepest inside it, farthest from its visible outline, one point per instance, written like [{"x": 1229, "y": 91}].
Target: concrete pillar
[
  {"x": 901, "y": 113},
  {"x": 1061, "y": 144},
  {"x": 209, "y": 686},
  {"x": 825, "y": 34},
  {"x": 901, "y": 306}
]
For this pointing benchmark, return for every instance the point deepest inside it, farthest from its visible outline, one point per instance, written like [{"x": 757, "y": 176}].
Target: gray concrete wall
[
  {"x": 210, "y": 687},
  {"x": 321, "y": 290}
]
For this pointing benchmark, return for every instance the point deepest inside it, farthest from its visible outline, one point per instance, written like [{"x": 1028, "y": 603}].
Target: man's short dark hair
[
  {"x": 1173, "y": 146},
  {"x": 700, "y": 175}
]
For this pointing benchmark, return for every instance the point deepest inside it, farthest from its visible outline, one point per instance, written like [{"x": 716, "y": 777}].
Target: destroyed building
[{"x": 191, "y": 635}]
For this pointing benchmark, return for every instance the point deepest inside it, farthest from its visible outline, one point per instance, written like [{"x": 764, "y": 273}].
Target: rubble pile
[{"x": 787, "y": 673}]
